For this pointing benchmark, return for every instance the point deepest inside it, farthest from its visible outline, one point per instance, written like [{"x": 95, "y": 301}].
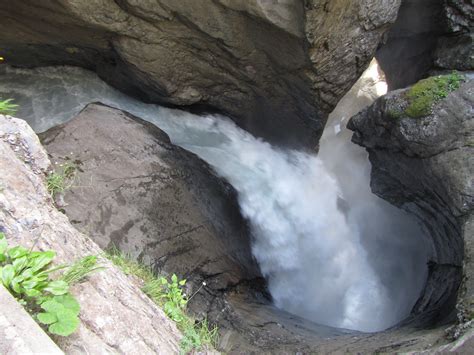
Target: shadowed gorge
[
  {"x": 307, "y": 223},
  {"x": 304, "y": 169}
]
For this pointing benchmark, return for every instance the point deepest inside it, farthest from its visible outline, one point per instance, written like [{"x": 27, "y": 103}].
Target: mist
[{"x": 331, "y": 251}]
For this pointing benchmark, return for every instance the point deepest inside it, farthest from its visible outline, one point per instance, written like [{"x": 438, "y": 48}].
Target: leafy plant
[
  {"x": 424, "y": 94},
  {"x": 7, "y": 108},
  {"x": 60, "y": 314},
  {"x": 169, "y": 295},
  {"x": 27, "y": 275}
]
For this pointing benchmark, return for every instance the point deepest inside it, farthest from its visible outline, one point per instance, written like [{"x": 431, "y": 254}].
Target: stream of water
[{"x": 331, "y": 251}]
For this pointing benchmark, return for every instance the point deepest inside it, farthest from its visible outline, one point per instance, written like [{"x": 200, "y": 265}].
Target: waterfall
[{"x": 330, "y": 250}]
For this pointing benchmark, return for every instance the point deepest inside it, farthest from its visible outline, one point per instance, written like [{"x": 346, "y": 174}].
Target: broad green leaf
[
  {"x": 33, "y": 293},
  {"x": 35, "y": 254},
  {"x": 41, "y": 285},
  {"x": 57, "y": 288},
  {"x": 27, "y": 273},
  {"x": 182, "y": 282},
  {"x": 19, "y": 264},
  {"x": 47, "y": 318},
  {"x": 17, "y": 252},
  {"x": 42, "y": 260},
  {"x": 30, "y": 284},
  {"x": 66, "y": 325},
  {"x": 16, "y": 284},
  {"x": 51, "y": 306},
  {"x": 41, "y": 277},
  {"x": 7, "y": 275},
  {"x": 69, "y": 302},
  {"x": 174, "y": 278}
]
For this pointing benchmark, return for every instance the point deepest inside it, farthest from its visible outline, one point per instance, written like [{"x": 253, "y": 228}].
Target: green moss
[
  {"x": 424, "y": 94},
  {"x": 395, "y": 113}
]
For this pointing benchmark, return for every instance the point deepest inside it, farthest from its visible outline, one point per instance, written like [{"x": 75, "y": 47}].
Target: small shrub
[
  {"x": 27, "y": 275},
  {"x": 169, "y": 295},
  {"x": 424, "y": 94},
  {"x": 7, "y": 107}
]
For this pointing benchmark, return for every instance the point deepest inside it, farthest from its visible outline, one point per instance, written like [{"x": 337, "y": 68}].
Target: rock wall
[
  {"x": 164, "y": 206},
  {"x": 116, "y": 317},
  {"x": 428, "y": 35},
  {"x": 277, "y": 68},
  {"x": 425, "y": 165},
  {"x": 15, "y": 322}
]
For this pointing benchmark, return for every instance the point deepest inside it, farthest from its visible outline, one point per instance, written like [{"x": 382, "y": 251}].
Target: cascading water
[{"x": 331, "y": 251}]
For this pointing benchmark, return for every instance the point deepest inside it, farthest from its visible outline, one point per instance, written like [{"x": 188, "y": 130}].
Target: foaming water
[{"x": 314, "y": 239}]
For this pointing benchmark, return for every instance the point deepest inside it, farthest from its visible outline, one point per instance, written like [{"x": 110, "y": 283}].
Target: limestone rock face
[
  {"x": 155, "y": 201},
  {"x": 116, "y": 317},
  {"x": 425, "y": 165},
  {"x": 278, "y": 68}
]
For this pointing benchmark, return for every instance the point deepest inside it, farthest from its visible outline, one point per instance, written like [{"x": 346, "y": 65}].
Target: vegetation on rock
[
  {"x": 169, "y": 295},
  {"x": 60, "y": 180},
  {"x": 26, "y": 274},
  {"x": 7, "y": 108},
  {"x": 424, "y": 94}
]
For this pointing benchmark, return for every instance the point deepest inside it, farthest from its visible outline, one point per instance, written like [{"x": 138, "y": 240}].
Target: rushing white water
[{"x": 328, "y": 264}]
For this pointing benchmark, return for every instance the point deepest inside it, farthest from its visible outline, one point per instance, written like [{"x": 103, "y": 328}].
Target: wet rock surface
[
  {"x": 135, "y": 191},
  {"x": 277, "y": 68},
  {"x": 425, "y": 165}
]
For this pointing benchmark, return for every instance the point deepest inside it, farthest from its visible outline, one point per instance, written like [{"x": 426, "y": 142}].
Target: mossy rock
[{"x": 424, "y": 94}]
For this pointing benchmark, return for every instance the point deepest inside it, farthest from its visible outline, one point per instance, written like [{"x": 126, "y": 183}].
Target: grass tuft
[
  {"x": 168, "y": 294},
  {"x": 60, "y": 180},
  {"x": 78, "y": 271},
  {"x": 7, "y": 108}
]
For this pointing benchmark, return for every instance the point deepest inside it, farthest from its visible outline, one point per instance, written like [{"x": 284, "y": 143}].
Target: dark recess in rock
[
  {"x": 407, "y": 53},
  {"x": 428, "y": 36}
]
